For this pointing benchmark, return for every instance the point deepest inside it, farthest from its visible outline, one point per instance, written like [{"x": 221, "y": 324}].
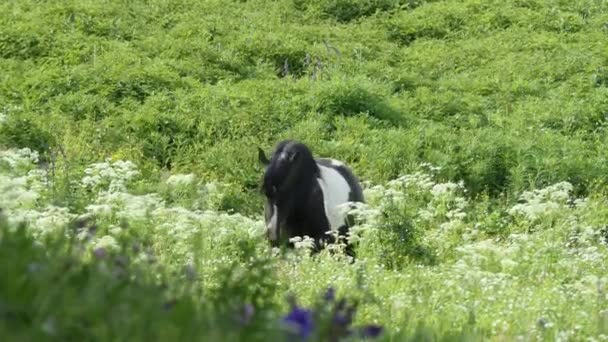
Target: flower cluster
[
  {"x": 535, "y": 204},
  {"x": 179, "y": 180},
  {"x": 304, "y": 242},
  {"x": 47, "y": 220},
  {"x": 112, "y": 176},
  {"x": 443, "y": 200},
  {"x": 329, "y": 319},
  {"x": 22, "y": 187},
  {"x": 19, "y": 159}
]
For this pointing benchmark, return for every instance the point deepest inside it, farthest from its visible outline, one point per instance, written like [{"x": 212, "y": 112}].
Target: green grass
[{"x": 505, "y": 96}]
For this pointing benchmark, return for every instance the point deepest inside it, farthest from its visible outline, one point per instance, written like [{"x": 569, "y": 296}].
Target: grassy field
[{"x": 129, "y": 182}]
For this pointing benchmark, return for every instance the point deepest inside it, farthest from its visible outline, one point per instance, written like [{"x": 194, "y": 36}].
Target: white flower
[
  {"x": 15, "y": 193},
  {"x": 127, "y": 205},
  {"x": 107, "y": 242},
  {"x": 115, "y": 230},
  {"x": 180, "y": 180},
  {"x": 580, "y": 202},
  {"x": 508, "y": 264},
  {"x": 302, "y": 243},
  {"x": 111, "y": 176},
  {"x": 19, "y": 157},
  {"x": 99, "y": 209},
  {"x": 538, "y": 203},
  {"x": 443, "y": 188},
  {"x": 42, "y": 222}
]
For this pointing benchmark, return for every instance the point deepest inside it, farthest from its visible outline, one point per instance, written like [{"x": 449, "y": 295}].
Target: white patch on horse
[
  {"x": 336, "y": 163},
  {"x": 283, "y": 155},
  {"x": 272, "y": 224},
  {"x": 335, "y": 192}
]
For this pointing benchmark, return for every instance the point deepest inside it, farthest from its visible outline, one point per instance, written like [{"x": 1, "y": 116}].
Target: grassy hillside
[{"x": 479, "y": 128}]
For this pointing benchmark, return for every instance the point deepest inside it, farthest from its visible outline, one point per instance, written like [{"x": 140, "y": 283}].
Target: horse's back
[{"x": 356, "y": 193}]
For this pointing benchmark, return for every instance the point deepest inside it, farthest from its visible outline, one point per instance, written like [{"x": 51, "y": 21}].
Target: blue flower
[
  {"x": 371, "y": 331},
  {"x": 343, "y": 314},
  {"x": 330, "y": 295},
  {"x": 341, "y": 319},
  {"x": 301, "y": 320}
]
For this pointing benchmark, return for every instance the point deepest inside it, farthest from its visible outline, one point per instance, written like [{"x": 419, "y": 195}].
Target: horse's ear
[
  {"x": 262, "y": 157},
  {"x": 294, "y": 156}
]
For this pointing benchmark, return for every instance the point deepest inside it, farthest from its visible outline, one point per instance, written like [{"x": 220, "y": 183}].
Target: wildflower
[
  {"x": 19, "y": 157},
  {"x": 330, "y": 294},
  {"x": 341, "y": 319},
  {"x": 115, "y": 230},
  {"x": 508, "y": 264},
  {"x": 443, "y": 188},
  {"x": 86, "y": 233},
  {"x": 306, "y": 242},
  {"x": 300, "y": 320},
  {"x": 540, "y": 202},
  {"x": 343, "y": 316},
  {"x": 246, "y": 314},
  {"x": 99, "y": 252},
  {"x": 180, "y": 180},
  {"x": 113, "y": 175},
  {"x": 107, "y": 242},
  {"x": 99, "y": 209},
  {"x": 371, "y": 331}
]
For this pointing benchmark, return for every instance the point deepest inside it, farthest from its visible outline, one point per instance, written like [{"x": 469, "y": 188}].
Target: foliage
[
  {"x": 431, "y": 262},
  {"x": 505, "y": 96},
  {"x": 128, "y": 139}
]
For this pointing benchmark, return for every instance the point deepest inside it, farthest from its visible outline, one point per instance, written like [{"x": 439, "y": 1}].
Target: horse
[{"x": 303, "y": 195}]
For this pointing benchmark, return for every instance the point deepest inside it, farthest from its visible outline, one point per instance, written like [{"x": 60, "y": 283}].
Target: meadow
[{"x": 130, "y": 204}]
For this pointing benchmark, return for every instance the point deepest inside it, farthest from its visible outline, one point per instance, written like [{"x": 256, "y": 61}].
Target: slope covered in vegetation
[{"x": 479, "y": 128}]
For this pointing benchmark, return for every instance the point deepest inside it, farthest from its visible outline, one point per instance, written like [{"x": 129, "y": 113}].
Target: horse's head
[{"x": 288, "y": 174}]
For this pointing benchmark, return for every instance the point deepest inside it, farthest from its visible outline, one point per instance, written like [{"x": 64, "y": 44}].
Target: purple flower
[
  {"x": 246, "y": 314},
  {"x": 100, "y": 252},
  {"x": 371, "y": 331},
  {"x": 330, "y": 295},
  {"x": 340, "y": 319},
  {"x": 301, "y": 320},
  {"x": 343, "y": 314}
]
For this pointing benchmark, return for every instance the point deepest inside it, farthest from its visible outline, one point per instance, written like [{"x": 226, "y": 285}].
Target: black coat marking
[{"x": 291, "y": 186}]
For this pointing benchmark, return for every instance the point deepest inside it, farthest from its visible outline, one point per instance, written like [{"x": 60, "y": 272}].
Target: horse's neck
[{"x": 302, "y": 192}]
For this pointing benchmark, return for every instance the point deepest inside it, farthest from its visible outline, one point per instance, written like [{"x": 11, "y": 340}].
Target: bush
[
  {"x": 345, "y": 11},
  {"x": 23, "y": 132}
]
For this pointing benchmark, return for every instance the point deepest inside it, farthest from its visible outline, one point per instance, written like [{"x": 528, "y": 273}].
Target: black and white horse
[{"x": 303, "y": 194}]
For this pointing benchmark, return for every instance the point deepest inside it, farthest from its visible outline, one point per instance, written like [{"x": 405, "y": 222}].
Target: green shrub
[
  {"x": 21, "y": 131},
  {"x": 346, "y": 11},
  {"x": 400, "y": 239}
]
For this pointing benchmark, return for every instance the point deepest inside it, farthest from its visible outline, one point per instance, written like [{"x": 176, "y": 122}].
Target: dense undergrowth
[
  {"x": 430, "y": 263},
  {"x": 129, "y": 132}
]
